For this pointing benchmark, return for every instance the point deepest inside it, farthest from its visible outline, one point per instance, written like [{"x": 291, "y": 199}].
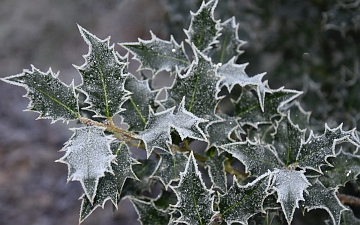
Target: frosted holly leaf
[
  {"x": 248, "y": 108},
  {"x": 199, "y": 85},
  {"x": 257, "y": 158},
  {"x": 319, "y": 197},
  {"x": 111, "y": 185},
  {"x": 136, "y": 107},
  {"x": 287, "y": 140},
  {"x": 290, "y": 186},
  {"x": 204, "y": 29},
  {"x": 346, "y": 167},
  {"x": 315, "y": 151},
  {"x": 158, "y": 55},
  {"x": 149, "y": 214},
  {"x": 228, "y": 43},
  {"x": 48, "y": 96},
  {"x": 195, "y": 202},
  {"x": 233, "y": 74},
  {"x": 240, "y": 203},
  {"x": 102, "y": 77},
  {"x": 216, "y": 169},
  {"x": 169, "y": 167},
  {"x": 158, "y": 126},
  {"x": 219, "y": 131},
  {"x": 88, "y": 157}
]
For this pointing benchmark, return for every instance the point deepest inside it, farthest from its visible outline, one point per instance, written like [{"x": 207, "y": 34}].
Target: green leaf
[
  {"x": 347, "y": 218},
  {"x": 169, "y": 167},
  {"x": 219, "y": 131},
  {"x": 136, "y": 107},
  {"x": 249, "y": 110},
  {"x": 165, "y": 199},
  {"x": 271, "y": 218},
  {"x": 346, "y": 167},
  {"x": 203, "y": 29},
  {"x": 228, "y": 43},
  {"x": 240, "y": 203},
  {"x": 287, "y": 140},
  {"x": 261, "y": 134},
  {"x": 110, "y": 186},
  {"x": 216, "y": 169},
  {"x": 149, "y": 214},
  {"x": 199, "y": 85},
  {"x": 158, "y": 126},
  {"x": 158, "y": 55},
  {"x": 48, "y": 96},
  {"x": 102, "y": 77},
  {"x": 88, "y": 156},
  {"x": 143, "y": 171},
  {"x": 233, "y": 74},
  {"x": 289, "y": 185},
  {"x": 319, "y": 197},
  {"x": 315, "y": 151},
  {"x": 257, "y": 158},
  {"x": 299, "y": 116},
  {"x": 194, "y": 199}
]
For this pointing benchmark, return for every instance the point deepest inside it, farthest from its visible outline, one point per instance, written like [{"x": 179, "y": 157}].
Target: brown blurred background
[{"x": 33, "y": 188}]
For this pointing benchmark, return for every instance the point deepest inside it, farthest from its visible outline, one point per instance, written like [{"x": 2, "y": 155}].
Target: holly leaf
[
  {"x": 287, "y": 140},
  {"x": 219, "y": 131},
  {"x": 136, "y": 107},
  {"x": 102, "y": 77},
  {"x": 203, "y": 29},
  {"x": 169, "y": 167},
  {"x": 228, "y": 43},
  {"x": 257, "y": 158},
  {"x": 319, "y": 197},
  {"x": 194, "y": 199},
  {"x": 346, "y": 167},
  {"x": 240, "y": 203},
  {"x": 165, "y": 199},
  {"x": 216, "y": 169},
  {"x": 158, "y": 126},
  {"x": 234, "y": 74},
  {"x": 48, "y": 96},
  {"x": 347, "y": 218},
  {"x": 289, "y": 185},
  {"x": 149, "y": 214},
  {"x": 315, "y": 151},
  {"x": 299, "y": 116},
  {"x": 110, "y": 186},
  {"x": 199, "y": 85},
  {"x": 158, "y": 55},
  {"x": 143, "y": 171},
  {"x": 262, "y": 133},
  {"x": 271, "y": 218},
  {"x": 88, "y": 156},
  {"x": 248, "y": 109}
]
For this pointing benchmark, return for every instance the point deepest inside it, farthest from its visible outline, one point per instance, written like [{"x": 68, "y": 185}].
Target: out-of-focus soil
[{"x": 33, "y": 188}]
